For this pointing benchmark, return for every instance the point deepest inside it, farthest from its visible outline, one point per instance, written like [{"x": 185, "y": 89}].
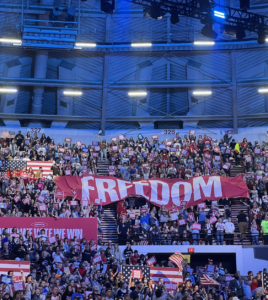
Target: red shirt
[
  {"x": 134, "y": 259},
  {"x": 82, "y": 271},
  {"x": 207, "y": 141},
  {"x": 253, "y": 286},
  {"x": 121, "y": 209}
]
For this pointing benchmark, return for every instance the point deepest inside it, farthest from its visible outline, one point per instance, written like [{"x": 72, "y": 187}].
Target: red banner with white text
[
  {"x": 158, "y": 191},
  {"x": 64, "y": 227}
]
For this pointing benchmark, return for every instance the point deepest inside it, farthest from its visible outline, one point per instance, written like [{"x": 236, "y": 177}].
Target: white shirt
[{"x": 229, "y": 227}]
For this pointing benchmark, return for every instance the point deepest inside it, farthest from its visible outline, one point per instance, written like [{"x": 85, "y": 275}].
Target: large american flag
[
  {"x": 16, "y": 267},
  {"x": 167, "y": 274},
  {"x": 265, "y": 280},
  {"x": 177, "y": 259},
  {"x": 46, "y": 165},
  {"x": 15, "y": 163}
]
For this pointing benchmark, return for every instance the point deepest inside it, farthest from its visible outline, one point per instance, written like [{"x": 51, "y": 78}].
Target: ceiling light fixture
[
  {"x": 137, "y": 94},
  {"x": 86, "y": 45},
  {"x": 72, "y": 93},
  {"x": 204, "y": 43},
  {"x": 10, "y": 41},
  {"x": 8, "y": 90},
  {"x": 202, "y": 93},
  {"x": 263, "y": 91},
  {"x": 141, "y": 45}
]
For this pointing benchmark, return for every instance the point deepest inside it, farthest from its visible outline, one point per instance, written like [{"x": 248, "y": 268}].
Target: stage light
[
  {"x": 263, "y": 91},
  {"x": 85, "y": 45},
  {"x": 137, "y": 94},
  {"x": 154, "y": 12},
  {"x": 261, "y": 36},
  {"x": 240, "y": 33},
  {"x": 108, "y": 6},
  {"x": 208, "y": 32},
  {"x": 8, "y": 90},
  {"x": 204, "y": 43},
  {"x": 202, "y": 93},
  {"x": 174, "y": 19},
  {"x": 204, "y": 5},
  {"x": 219, "y": 14},
  {"x": 72, "y": 93},
  {"x": 191, "y": 250},
  {"x": 141, "y": 45},
  {"x": 244, "y": 4}
]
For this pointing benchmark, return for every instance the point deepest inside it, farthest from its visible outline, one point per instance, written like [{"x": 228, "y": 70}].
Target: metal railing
[{"x": 178, "y": 239}]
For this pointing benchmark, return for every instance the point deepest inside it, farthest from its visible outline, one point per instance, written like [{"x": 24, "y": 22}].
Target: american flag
[
  {"x": 127, "y": 271},
  {"x": 265, "y": 280},
  {"x": 169, "y": 275},
  {"x": 46, "y": 165},
  {"x": 177, "y": 259},
  {"x": 15, "y": 163},
  {"x": 207, "y": 280},
  {"x": 16, "y": 267}
]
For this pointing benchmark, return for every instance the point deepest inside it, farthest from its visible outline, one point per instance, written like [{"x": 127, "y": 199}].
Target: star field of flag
[
  {"x": 127, "y": 270},
  {"x": 265, "y": 281},
  {"x": 15, "y": 163}
]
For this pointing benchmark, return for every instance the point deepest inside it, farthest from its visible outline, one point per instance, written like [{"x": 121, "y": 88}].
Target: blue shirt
[
  {"x": 76, "y": 294},
  {"x": 145, "y": 219},
  {"x": 202, "y": 215}
]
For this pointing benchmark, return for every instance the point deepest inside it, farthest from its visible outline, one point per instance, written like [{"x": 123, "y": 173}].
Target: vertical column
[
  {"x": 8, "y": 102},
  {"x": 105, "y": 77},
  {"x": 266, "y": 75},
  {"x": 168, "y": 90},
  {"x": 234, "y": 91},
  {"x": 40, "y": 71},
  {"x": 66, "y": 71}
]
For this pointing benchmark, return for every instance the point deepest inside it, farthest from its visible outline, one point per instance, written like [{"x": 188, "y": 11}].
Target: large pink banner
[
  {"x": 64, "y": 227},
  {"x": 158, "y": 191}
]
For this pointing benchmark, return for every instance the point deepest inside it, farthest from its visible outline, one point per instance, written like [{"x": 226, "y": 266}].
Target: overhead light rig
[{"x": 236, "y": 20}]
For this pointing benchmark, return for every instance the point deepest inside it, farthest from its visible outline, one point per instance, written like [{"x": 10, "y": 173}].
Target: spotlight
[
  {"x": 154, "y": 12},
  {"x": 244, "y": 4},
  {"x": 240, "y": 33},
  {"x": 261, "y": 36},
  {"x": 219, "y": 14},
  {"x": 208, "y": 32},
  {"x": 108, "y": 6},
  {"x": 204, "y": 5},
  {"x": 174, "y": 19}
]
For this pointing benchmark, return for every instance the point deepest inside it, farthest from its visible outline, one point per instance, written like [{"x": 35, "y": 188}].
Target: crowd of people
[
  {"x": 66, "y": 269},
  {"x": 179, "y": 157}
]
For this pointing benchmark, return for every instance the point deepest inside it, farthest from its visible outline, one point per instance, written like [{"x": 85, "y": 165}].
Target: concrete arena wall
[
  {"x": 245, "y": 260},
  {"x": 87, "y": 136}
]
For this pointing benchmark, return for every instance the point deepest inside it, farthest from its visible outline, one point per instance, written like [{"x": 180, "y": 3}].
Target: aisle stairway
[
  {"x": 236, "y": 207},
  {"x": 108, "y": 221},
  {"x": 235, "y": 170}
]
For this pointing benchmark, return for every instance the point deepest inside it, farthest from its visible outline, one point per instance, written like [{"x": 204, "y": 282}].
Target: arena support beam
[
  {"x": 5, "y": 116},
  {"x": 105, "y": 77},
  {"x": 234, "y": 91}
]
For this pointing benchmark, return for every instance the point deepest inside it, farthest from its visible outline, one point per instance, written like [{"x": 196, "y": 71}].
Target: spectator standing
[
  {"x": 229, "y": 230},
  {"x": 264, "y": 229},
  {"x": 220, "y": 229},
  {"x": 242, "y": 224},
  {"x": 254, "y": 229}
]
